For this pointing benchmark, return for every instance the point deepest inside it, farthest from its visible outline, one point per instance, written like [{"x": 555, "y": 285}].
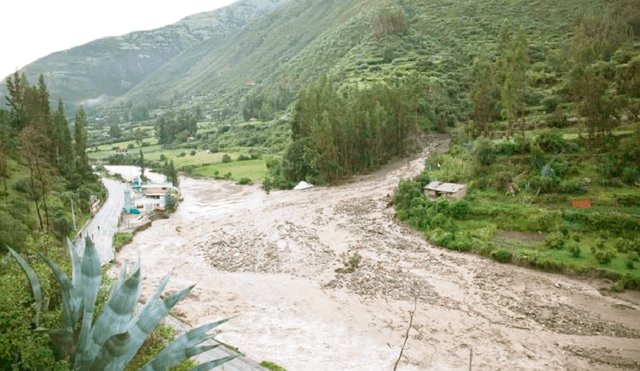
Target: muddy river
[{"x": 270, "y": 260}]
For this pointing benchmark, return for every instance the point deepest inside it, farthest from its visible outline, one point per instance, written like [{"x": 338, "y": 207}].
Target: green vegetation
[
  {"x": 121, "y": 238},
  {"x": 251, "y": 169},
  {"x": 114, "y": 338},
  {"x": 271, "y": 366}
]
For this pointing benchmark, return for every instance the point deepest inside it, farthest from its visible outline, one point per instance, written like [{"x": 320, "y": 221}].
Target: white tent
[{"x": 303, "y": 185}]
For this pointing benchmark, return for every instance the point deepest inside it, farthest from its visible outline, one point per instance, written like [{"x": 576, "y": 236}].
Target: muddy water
[{"x": 270, "y": 261}]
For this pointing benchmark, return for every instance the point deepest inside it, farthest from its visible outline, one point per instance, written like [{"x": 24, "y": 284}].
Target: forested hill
[{"x": 111, "y": 66}]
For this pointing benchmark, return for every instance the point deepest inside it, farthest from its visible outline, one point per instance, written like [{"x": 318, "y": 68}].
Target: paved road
[{"x": 103, "y": 226}]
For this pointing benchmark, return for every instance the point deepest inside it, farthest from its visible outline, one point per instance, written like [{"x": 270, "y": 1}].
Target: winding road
[{"x": 105, "y": 223}]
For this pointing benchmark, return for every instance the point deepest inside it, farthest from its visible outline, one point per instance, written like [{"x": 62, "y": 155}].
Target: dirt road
[{"x": 271, "y": 261}]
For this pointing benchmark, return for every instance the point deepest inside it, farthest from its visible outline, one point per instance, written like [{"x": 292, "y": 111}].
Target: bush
[
  {"x": 574, "y": 187},
  {"x": 502, "y": 256},
  {"x": 622, "y": 245},
  {"x": 485, "y": 152},
  {"x": 267, "y": 185},
  {"x": 554, "y": 241},
  {"x": 605, "y": 256},
  {"x": 244, "y": 181},
  {"x": 633, "y": 256},
  {"x": 408, "y": 189},
  {"x": 574, "y": 249},
  {"x": 226, "y": 158},
  {"x": 550, "y": 103},
  {"x": 551, "y": 141},
  {"x": 182, "y": 154},
  {"x": 630, "y": 174},
  {"x": 459, "y": 208},
  {"x": 244, "y": 157},
  {"x": 193, "y": 152}
]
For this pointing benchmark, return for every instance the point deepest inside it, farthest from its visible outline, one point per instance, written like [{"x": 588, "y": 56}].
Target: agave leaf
[
  {"x": 91, "y": 277},
  {"x": 212, "y": 364},
  {"x": 188, "y": 340},
  {"x": 115, "y": 315},
  {"x": 67, "y": 304},
  {"x": 33, "y": 280},
  {"x": 113, "y": 348},
  {"x": 148, "y": 318},
  {"x": 181, "y": 355},
  {"x": 77, "y": 288}
]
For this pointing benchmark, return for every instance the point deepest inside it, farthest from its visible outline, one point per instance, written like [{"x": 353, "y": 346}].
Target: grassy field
[{"x": 256, "y": 170}]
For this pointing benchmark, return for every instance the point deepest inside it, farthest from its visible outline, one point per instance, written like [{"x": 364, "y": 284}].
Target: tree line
[
  {"x": 342, "y": 131},
  {"x": 37, "y": 149}
]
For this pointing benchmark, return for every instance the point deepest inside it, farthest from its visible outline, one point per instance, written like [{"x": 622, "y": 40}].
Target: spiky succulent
[{"x": 111, "y": 341}]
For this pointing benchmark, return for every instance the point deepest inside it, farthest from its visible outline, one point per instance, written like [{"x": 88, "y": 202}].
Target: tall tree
[
  {"x": 514, "y": 63},
  {"x": 33, "y": 154},
  {"x": 17, "y": 87},
  {"x": 483, "y": 94},
  {"x": 63, "y": 146},
  {"x": 5, "y": 169},
  {"x": 141, "y": 165},
  {"x": 80, "y": 136}
]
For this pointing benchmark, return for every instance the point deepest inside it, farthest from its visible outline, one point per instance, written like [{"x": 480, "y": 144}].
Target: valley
[{"x": 269, "y": 261}]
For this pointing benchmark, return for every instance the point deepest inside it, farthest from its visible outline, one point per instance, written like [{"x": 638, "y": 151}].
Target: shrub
[
  {"x": 244, "y": 181},
  {"x": 605, "y": 256},
  {"x": 502, "y": 180},
  {"x": 574, "y": 187},
  {"x": 550, "y": 103},
  {"x": 502, "y": 256},
  {"x": 193, "y": 152},
  {"x": 243, "y": 157},
  {"x": 622, "y": 245},
  {"x": 408, "y": 189},
  {"x": 574, "y": 249},
  {"x": 182, "y": 154},
  {"x": 459, "y": 208},
  {"x": 130, "y": 146},
  {"x": 226, "y": 158},
  {"x": 267, "y": 185},
  {"x": 485, "y": 152},
  {"x": 633, "y": 256},
  {"x": 554, "y": 241},
  {"x": 630, "y": 174}
]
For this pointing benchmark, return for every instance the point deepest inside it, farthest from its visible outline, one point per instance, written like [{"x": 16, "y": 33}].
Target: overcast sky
[{"x": 32, "y": 29}]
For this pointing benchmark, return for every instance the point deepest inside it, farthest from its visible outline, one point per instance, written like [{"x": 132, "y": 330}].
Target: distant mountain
[{"x": 111, "y": 66}]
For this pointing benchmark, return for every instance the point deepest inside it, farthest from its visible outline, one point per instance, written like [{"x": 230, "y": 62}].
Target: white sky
[{"x": 32, "y": 29}]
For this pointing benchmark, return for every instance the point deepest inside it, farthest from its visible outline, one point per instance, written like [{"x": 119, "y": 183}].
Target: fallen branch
[{"x": 406, "y": 337}]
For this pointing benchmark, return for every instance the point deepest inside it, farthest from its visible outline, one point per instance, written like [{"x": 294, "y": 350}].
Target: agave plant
[{"x": 111, "y": 341}]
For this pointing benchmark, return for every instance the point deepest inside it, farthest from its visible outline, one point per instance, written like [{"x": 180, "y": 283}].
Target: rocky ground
[{"x": 285, "y": 266}]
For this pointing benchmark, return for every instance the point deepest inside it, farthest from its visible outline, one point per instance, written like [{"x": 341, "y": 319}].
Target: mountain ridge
[{"x": 110, "y": 66}]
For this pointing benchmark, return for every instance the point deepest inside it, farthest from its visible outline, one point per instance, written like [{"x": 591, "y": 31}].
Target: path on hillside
[{"x": 271, "y": 260}]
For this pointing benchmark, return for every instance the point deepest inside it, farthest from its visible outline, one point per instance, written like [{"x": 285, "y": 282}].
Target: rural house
[{"x": 452, "y": 191}]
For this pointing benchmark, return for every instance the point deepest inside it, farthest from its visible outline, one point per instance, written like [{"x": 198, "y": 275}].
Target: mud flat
[{"x": 270, "y": 261}]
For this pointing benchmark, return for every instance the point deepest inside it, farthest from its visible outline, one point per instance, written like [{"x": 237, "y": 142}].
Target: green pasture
[{"x": 256, "y": 170}]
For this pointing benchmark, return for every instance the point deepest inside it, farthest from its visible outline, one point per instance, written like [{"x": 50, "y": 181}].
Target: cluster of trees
[
  {"x": 47, "y": 165},
  {"x": 339, "y": 132},
  {"x": 598, "y": 71},
  {"x": 263, "y": 102},
  {"x": 172, "y": 127}
]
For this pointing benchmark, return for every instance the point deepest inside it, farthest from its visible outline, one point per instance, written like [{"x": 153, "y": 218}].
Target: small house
[
  {"x": 121, "y": 151},
  {"x": 452, "y": 191}
]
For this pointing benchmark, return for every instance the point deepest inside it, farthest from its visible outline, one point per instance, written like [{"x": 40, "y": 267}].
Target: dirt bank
[{"x": 271, "y": 260}]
